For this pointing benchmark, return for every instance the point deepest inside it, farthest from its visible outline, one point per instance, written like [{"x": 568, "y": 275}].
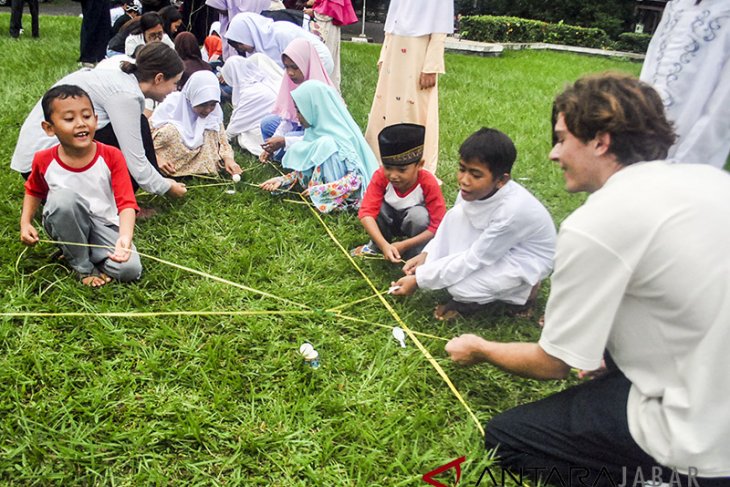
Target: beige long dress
[
  {"x": 398, "y": 96},
  {"x": 201, "y": 160},
  {"x": 330, "y": 35}
]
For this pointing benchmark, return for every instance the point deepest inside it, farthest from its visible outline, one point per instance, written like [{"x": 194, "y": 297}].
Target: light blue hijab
[{"x": 332, "y": 131}]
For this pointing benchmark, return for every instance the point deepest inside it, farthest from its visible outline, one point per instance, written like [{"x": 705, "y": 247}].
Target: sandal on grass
[
  {"x": 364, "y": 250},
  {"x": 95, "y": 278}
]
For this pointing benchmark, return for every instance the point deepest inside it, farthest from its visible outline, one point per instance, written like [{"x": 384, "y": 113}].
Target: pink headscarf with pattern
[{"x": 305, "y": 56}]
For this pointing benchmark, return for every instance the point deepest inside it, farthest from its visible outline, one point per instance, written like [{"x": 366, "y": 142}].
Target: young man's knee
[
  {"x": 498, "y": 437},
  {"x": 61, "y": 201}
]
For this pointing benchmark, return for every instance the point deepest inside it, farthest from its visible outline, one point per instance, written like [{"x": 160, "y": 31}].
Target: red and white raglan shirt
[
  {"x": 425, "y": 192},
  {"x": 103, "y": 183}
]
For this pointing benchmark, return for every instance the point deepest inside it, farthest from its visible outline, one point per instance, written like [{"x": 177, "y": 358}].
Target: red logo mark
[{"x": 456, "y": 464}]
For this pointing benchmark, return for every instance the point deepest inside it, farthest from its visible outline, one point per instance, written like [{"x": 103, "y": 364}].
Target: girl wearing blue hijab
[{"x": 332, "y": 162}]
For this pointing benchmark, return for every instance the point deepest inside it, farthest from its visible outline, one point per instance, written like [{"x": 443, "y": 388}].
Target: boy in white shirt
[{"x": 495, "y": 245}]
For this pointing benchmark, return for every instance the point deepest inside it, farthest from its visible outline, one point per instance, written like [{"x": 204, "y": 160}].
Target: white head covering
[
  {"x": 414, "y": 18},
  {"x": 231, "y": 9},
  {"x": 254, "y": 92},
  {"x": 215, "y": 27},
  {"x": 177, "y": 109}
]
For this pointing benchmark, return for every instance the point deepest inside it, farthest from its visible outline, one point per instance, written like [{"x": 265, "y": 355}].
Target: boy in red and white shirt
[
  {"x": 87, "y": 191},
  {"x": 402, "y": 199}
]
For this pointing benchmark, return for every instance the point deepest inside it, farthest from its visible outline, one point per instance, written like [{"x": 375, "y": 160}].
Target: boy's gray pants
[
  {"x": 403, "y": 223},
  {"x": 67, "y": 218}
]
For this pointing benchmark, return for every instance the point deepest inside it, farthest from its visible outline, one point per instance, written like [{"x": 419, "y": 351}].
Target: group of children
[{"x": 495, "y": 245}]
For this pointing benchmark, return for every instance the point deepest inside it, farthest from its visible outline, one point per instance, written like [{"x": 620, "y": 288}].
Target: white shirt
[
  {"x": 511, "y": 226},
  {"x": 688, "y": 62},
  {"x": 132, "y": 42},
  {"x": 642, "y": 269}
]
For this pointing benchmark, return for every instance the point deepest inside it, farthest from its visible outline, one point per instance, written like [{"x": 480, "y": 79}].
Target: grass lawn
[{"x": 225, "y": 400}]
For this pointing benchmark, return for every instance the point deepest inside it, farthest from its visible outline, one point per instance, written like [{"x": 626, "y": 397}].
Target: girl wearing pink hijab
[
  {"x": 282, "y": 129},
  {"x": 328, "y": 16}
]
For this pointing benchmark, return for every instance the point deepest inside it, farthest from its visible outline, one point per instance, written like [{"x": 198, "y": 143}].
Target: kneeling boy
[
  {"x": 87, "y": 191},
  {"x": 495, "y": 244},
  {"x": 402, "y": 199}
]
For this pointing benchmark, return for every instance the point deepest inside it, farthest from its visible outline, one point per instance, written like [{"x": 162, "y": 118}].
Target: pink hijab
[
  {"x": 305, "y": 56},
  {"x": 341, "y": 11}
]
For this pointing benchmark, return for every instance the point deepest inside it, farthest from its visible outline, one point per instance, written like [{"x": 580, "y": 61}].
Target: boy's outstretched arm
[
  {"x": 123, "y": 246},
  {"x": 28, "y": 233}
]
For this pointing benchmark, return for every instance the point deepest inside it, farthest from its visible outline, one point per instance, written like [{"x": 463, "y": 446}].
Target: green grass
[{"x": 226, "y": 400}]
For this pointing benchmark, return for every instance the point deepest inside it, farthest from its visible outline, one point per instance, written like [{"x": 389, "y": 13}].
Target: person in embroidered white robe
[
  {"x": 688, "y": 63},
  {"x": 497, "y": 242}
]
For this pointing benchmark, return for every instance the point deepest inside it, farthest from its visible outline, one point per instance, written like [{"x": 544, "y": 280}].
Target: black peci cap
[{"x": 401, "y": 144}]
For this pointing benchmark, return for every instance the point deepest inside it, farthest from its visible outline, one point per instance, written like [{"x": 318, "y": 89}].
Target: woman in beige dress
[{"x": 410, "y": 61}]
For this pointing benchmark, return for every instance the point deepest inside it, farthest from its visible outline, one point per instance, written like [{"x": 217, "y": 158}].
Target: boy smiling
[
  {"x": 87, "y": 191},
  {"x": 495, "y": 244}
]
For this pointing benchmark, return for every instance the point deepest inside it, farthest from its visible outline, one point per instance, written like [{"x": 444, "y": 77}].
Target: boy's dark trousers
[
  {"x": 403, "y": 223},
  {"x": 16, "y": 17}
]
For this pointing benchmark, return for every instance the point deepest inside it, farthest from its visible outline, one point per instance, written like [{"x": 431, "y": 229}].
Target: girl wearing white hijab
[
  {"x": 249, "y": 33},
  {"x": 255, "y": 82},
  {"x": 188, "y": 131},
  {"x": 227, "y": 9},
  {"x": 411, "y": 58}
]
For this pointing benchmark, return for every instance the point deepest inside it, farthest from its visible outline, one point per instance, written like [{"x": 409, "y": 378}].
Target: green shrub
[
  {"x": 487, "y": 28},
  {"x": 631, "y": 42}
]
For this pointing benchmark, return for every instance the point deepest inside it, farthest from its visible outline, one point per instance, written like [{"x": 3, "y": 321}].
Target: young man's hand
[
  {"x": 122, "y": 249},
  {"x": 465, "y": 349},
  {"x": 28, "y": 234},
  {"x": 407, "y": 285},
  {"x": 410, "y": 267}
]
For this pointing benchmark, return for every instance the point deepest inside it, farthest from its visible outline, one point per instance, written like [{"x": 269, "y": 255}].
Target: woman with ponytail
[{"x": 118, "y": 98}]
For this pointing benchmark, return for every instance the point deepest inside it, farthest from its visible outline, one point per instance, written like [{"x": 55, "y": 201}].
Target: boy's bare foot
[
  {"x": 95, "y": 279},
  {"x": 454, "y": 309}
]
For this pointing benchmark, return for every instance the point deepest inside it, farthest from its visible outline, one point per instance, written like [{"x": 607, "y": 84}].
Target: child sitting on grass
[
  {"x": 403, "y": 199},
  {"x": 495, "y": 245},
  {"x": 87, "y": 191}
]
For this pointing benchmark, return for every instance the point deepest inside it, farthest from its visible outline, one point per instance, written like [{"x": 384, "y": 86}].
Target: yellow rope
[
  {"x": 402, "y": 324},
  {"x": 148, "y": 314},
  {"x": 347, "y": 305},
  {"x": 187, "y": 269},
  {"x": 381, "y": 325}
]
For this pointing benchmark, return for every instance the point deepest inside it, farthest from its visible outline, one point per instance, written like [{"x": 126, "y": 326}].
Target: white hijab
[
  {"x": 255, "y": 87},
  {"x": 415, "y": 18},
  {"x": 265, "y": 35},
  {"x": 177, "y": 109}
]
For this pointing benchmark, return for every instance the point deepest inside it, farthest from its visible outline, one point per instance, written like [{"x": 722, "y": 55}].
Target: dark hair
[
  {"x": 491, "y": 148},
  {"x": 186, "y": 46},
  {"x": 618, "y": 104},
  {"x": 154, "y": 58},
  {"x": 61, "y": 92},
  {"x": 169, "y": 15},
  {"x": 146, "y": 22}
]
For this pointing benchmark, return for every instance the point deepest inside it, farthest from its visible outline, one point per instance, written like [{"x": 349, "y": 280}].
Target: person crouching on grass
[
  {"x": 87, "y": 191},
  {"x": 402, "y": 199},
  {"x": 495, "y": 245}
]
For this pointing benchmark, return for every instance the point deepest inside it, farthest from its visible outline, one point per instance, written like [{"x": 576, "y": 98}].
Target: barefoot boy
[
  {"x": 495, "y": 244},
  {"x": 402, "y": 199},
  {"x": 87, "y": 191}
]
